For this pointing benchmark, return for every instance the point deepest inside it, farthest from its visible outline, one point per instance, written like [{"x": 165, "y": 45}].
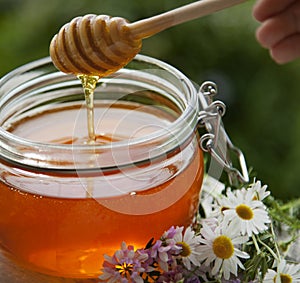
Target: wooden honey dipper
[{"x": 100, "y": 45}]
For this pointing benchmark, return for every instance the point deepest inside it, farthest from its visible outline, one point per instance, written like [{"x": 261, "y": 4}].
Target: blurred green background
[{"x": 262, "y": 97}]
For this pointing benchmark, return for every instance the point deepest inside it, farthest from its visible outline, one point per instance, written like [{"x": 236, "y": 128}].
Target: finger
[
  {"x": 286, "y": 50},
  {"x": 264, "y": 9},
  {"x": 277, "y": 28}
]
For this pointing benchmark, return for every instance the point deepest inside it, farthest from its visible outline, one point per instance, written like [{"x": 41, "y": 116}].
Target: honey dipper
[{"x": 100, "y": 45}]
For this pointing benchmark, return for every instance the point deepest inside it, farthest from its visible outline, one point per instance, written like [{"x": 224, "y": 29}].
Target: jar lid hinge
[{"x": 216, "y": 141}]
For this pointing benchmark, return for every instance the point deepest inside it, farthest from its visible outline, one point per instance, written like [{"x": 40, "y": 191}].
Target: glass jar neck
[{"x": 38, "y": 87}]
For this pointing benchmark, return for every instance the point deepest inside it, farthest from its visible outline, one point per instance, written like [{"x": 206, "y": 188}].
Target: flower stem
[
  {"x": 275, "y": 242},
  {"x": 255, "y": 244},
  {"x": 277, "y": 257}
]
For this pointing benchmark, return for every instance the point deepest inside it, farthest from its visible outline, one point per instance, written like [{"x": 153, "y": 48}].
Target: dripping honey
[{"x": 89, "y": 84}]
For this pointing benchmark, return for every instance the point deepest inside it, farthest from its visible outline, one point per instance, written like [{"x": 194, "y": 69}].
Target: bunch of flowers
[{"x": 233, "y": 240}]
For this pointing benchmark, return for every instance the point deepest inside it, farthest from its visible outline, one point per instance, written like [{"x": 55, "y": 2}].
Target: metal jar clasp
[{"x": 216, "y": 141}]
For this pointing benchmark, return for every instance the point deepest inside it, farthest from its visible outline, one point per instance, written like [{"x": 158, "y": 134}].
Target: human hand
[{"x": 280, "y": 28}]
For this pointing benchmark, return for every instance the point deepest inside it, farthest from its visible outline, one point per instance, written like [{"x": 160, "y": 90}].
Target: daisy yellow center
[
  {"x": 125, "y": 269},
  {"x": 186, "y": 249},
  {"x": 244, "y": 211},
  {"x": 285, "y": 278},
  {"x": 223, "y": 247}
]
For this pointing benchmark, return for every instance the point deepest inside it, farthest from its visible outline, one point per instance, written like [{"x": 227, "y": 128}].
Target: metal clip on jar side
[{"x": 216, "y": 141}]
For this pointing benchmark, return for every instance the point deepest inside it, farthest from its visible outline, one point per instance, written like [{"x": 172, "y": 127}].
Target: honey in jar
[{"x": 65, "y": 200}]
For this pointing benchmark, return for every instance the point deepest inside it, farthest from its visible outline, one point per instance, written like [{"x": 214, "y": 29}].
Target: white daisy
[
  {"x": 259, "y": 192},
  {"x": 244, "y": 214},
  {"x": 211, "y": 190},
  {"x": 189, "y": 243},
  {"x": 220, "y": 249},
  {"x": 286, "y": 273}
]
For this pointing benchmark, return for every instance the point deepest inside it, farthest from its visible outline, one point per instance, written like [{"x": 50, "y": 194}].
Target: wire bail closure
[{"x": 216, "y": 141}]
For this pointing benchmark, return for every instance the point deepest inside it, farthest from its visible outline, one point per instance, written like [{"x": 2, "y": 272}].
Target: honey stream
[{"x": 89, "y": 84}]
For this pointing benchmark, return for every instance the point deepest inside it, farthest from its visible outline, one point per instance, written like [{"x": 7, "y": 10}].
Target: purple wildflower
[
  {"x": 164, "y": 250},
  {"x": 172, "y": 232},
  {"x": 126, "y": 265},
  {"x": 174, "y": 274}
]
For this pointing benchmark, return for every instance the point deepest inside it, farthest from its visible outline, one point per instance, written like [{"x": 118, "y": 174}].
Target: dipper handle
[{"x": 150, "y": 26}]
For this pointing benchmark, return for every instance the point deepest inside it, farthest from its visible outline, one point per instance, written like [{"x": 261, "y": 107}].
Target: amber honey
[{"x": 64, "y": 234}]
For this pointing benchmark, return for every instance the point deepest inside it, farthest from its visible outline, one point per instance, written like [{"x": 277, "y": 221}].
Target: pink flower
[{"x": 126, "y": 265}]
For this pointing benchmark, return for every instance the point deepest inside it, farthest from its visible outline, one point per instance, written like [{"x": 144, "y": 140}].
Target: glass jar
[{"x": 66, "y": 201}]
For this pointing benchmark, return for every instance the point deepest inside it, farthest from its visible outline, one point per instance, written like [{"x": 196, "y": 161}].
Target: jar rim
[{"x": 186, "y": 122}]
